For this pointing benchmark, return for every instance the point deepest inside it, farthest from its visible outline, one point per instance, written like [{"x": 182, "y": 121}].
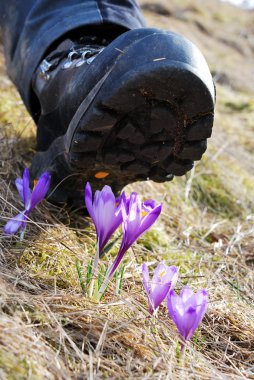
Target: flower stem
[
  {"x": 119, "y": 280},
  {"x": 183, "y": 348},
  {"x": 104, "y": 285},
  {"x": 22, "y": 234},
  {"x": 96, "y": 261},
  {"x": 94, "y": 272},
  {"x": 181, "y": 357},
  {"x": 80, "y": 276}
]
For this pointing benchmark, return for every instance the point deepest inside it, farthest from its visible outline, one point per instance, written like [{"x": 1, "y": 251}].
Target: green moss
[
  {"x": 218, "y": 17},
  {"x": 52, "y": 265},
  {"x": 17, "y": 367},
  {"x": 186, "y": 259},
  {"x": 212, "y": 191},
  {"x": 239, "y": 106},
  {"x": 153, "y": 238},
  {"x": 247, "y": 142}
]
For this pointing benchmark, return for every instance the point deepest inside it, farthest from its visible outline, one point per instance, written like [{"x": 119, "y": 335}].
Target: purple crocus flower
[
  {"x": 164, "y": 279},
  {"x": 187, "y": 310},
  {"x": 137, "y": 219},
  {"x": 30, "y": 198},
  {"x": 105, "y": 212}
]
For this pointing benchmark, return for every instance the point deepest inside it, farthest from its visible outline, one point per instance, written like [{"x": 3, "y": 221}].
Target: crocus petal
[
  {"x": 187, "y": 310},
  {"x": 170, "y": 299},
  {"x": 171, "y": 275},
  {"x": 146, "y": 280},
  {"x": 201, "y": 308},
  {"x": 131, "y": 214},
  {"x": 107, "y": 195},
  {"x": 19, "y": 186},
  {"x": 176, "y": 311},
  {"x": 14, "y": 224},
  {"x": 109, "y": 218},
  {"x": 159, "y": 272},
  {"x": 105, "y": 213},
  {"x": 159, "y": 294},
  {"x": 161, "y": 284},
  {"x": 201, "y": 298},
  {"x": 163, "y": 274},
  {"x": 40, "y": 190},
  {"x": 130, "y": 230},
  {"x": 134, "y": 207},
  {"x": 163, "y": 281},
  {"x": 26, "y": 188},
  {"x": 89, "y": 200},
  {"x": 148, "y": 205},
  {"x": 96, "y": 199},
  {"x": 119, "y": 201},
  {"x": 190, "y": 316},
  {"x": 186, "y": 293},
  {"x": 131, "y": 223},
  {"x": 149, "y": 220},
  {"x": 126, "y": 202},
  {"x": 195, "y": 308},
  {"x": 145, "y": 275},
  {"x": 133, "y": 226},
  {"x": 106, "y": 218}
]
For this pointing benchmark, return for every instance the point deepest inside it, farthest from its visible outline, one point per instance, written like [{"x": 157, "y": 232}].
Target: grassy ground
[{"x": 48, "y": 330}]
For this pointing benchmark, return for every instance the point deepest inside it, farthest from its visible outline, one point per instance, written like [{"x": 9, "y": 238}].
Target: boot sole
[{"x": 136, "y": 129}]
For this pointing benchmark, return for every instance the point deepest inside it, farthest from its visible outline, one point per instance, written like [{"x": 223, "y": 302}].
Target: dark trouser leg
[{"x": 30, "y": 27}]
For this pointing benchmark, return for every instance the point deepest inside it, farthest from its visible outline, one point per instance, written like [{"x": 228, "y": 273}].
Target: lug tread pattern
[{"x": 151, "y": 142}]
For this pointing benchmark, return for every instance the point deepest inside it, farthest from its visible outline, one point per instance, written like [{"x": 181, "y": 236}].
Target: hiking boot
[{"x": 138, "y": 108}]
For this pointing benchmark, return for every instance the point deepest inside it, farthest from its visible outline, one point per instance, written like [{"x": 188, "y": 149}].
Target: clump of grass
[{"x": 210, "y": 190}]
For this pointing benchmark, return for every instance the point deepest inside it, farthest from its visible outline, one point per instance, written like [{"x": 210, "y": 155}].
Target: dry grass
[{"x": 48, "y": 330}]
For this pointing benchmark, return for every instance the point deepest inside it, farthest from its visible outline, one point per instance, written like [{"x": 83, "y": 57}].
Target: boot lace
[{"x": 84, "y": 52}]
